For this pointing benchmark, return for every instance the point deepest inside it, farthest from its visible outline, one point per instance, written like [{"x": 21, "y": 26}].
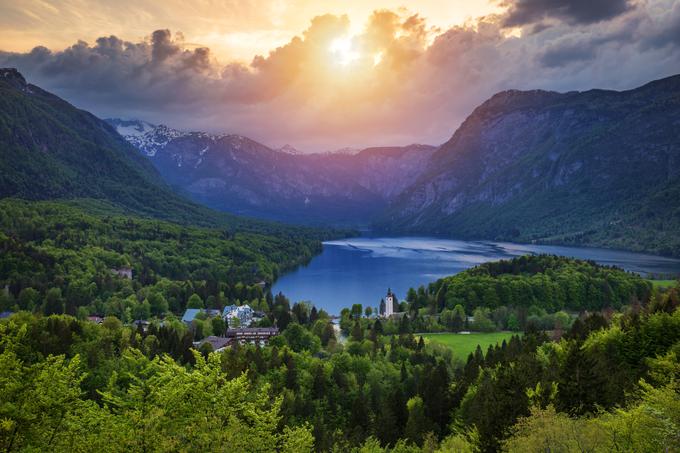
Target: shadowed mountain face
[
  {"x": 596, "y": 167},
  {"x": 50, "y": 149},
  {"x": 236, "y": 174}
]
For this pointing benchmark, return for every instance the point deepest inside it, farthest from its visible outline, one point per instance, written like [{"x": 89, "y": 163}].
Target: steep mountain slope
[
  {"x": 596, "y": 167},
  {"x": 50, "y": 149},
  {"x": 236, "y": 174}
]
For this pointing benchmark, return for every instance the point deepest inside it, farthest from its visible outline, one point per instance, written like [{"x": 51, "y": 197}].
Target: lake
[{"x": 360, "y": 270}]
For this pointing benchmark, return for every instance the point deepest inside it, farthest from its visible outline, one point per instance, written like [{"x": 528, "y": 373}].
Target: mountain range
[
  {"x": 51, "y": 150},
  {"x": 236, "y": 174},
  {"x": 588, "y": 168}
]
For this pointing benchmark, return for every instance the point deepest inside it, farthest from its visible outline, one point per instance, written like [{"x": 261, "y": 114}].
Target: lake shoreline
[{"x": 360, "y": 269}]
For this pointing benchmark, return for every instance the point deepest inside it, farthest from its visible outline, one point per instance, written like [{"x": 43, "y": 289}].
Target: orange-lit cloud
[
  {"x": 233, "y": 29},
  {"x": 391, "y": 76}
]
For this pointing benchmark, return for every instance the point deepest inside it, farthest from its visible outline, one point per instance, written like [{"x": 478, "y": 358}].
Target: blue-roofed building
[
  {"x": 190, "y": 315},
  {"x": 227, "y": 310},
  {"x": 244, "y": 314},
  {"x": 5, "y": 314}
]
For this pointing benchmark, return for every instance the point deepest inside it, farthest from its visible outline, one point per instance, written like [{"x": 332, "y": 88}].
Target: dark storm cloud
[
  {"x": 567, "y": 53},
  {"x": 585, "y": 46},
  {"x": 155, "y": 72},
  {"x": 526, "y": 12},
  {"x": 162, "y": 45}
]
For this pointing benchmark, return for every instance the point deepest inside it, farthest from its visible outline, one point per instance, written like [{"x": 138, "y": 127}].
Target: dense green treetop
[
  {"x": 549, "y": 282},
  {"x": 59, "y": 250},
  {"x": 71, "y": 385}
]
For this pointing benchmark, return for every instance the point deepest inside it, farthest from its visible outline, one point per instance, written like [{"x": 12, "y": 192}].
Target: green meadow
[
  {"x": 663, "y": 283},
  {"x": 463, "y": 344}
]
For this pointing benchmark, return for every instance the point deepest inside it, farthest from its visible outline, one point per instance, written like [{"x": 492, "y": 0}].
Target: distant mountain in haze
[
  {"x": 236, "y": 174},
  {"x": 596, "y": 168}
]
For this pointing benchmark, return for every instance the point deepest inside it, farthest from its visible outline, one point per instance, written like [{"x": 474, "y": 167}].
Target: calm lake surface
[{"x": 359, "y": 270}]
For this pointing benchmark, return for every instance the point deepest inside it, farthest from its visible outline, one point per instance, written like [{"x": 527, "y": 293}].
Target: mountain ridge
[
  {"x": 234, "y": 173},
  {"x": 51, "y": 150},
  {"x": 583, "y": 168}
]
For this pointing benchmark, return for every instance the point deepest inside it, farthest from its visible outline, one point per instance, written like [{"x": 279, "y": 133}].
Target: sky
[{"x": 324, "y": 75}]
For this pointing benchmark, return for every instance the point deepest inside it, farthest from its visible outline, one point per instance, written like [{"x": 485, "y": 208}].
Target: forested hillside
[
  {"x": 542, "y": 292},
  {"x": 49, "y": 149},
  {"x": 610, "y": 383},
  {"x": 590, "y": 168},
  {"x": 59, "y": 258}
]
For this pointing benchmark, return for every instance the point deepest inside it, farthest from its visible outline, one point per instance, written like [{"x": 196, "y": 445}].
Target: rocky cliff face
[
  {"x": 236, "y": 174},
  {"x": 580, "y": 167}
]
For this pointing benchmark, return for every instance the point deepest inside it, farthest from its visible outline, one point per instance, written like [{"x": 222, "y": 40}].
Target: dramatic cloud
[
  {"x": 524, "y": 12},
  {"x": 396, "y": 80}
]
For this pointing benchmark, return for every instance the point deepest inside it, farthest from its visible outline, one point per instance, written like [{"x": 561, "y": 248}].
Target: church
[{"x": 387, "y": 304}]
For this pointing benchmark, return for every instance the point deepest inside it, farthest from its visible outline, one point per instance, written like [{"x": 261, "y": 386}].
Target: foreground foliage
[
  {"x": 74, "y": 385},
  {"x": 147, "y": 405}
]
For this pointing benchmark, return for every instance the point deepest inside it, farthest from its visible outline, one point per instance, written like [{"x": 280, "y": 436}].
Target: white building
[
  {"x": 389, "y": 303},
  {"x": 243, "y": 313}
]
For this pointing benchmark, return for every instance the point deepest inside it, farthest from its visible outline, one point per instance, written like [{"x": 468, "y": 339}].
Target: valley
[
  {"x": 595, "y": 168},
  {"x": 185, "y": 291},
  {"x": 236, "y": 174}
]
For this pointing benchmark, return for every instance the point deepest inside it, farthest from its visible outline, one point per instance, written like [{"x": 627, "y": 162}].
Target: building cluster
[
  {"x": 238, "y": 319},
  {"x": 252, "y": 335},
  {"x": 233, "y": 315},
  {"x": 238, "y": 316}
]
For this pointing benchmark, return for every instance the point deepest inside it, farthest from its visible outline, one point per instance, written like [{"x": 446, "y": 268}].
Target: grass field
[
  {"x": 464, "y": 344},
  {"x": 663, "y": 283}
]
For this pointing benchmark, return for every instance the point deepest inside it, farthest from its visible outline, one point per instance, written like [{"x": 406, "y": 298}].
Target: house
[
  {"x": 190, "y": 314},
  {"x": 243, "y": 313},
  {"x": 95, "y": 319},
  {"x": 228, "y": 309},
  {"x": 143, "y": 323},
  {"x": 5, "y": 314},
  {"x": 125, "y": 272},
  {"x": 218, "y": 343},
  {"x": 254, "y": 335}
]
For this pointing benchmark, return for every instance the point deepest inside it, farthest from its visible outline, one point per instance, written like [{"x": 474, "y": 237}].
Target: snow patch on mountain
[{"x": 288, "y": 149}]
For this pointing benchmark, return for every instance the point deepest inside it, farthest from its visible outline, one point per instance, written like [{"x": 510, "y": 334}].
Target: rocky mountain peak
[{"x": 14, "y": 78}]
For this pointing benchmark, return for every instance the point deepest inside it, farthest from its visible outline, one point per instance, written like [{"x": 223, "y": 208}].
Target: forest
[
  {"x": 594, "y": 348},
  {"x": 609, "y": 382},
  {"x": 543, "y": 292},
  {"x": 60, "y": 257}
]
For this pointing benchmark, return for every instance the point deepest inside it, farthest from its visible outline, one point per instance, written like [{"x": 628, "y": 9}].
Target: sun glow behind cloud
[
  {"x": 320, "y": 75},
  {"x": 233, "y": 29},
  {"x": 342, "y": 51}
]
